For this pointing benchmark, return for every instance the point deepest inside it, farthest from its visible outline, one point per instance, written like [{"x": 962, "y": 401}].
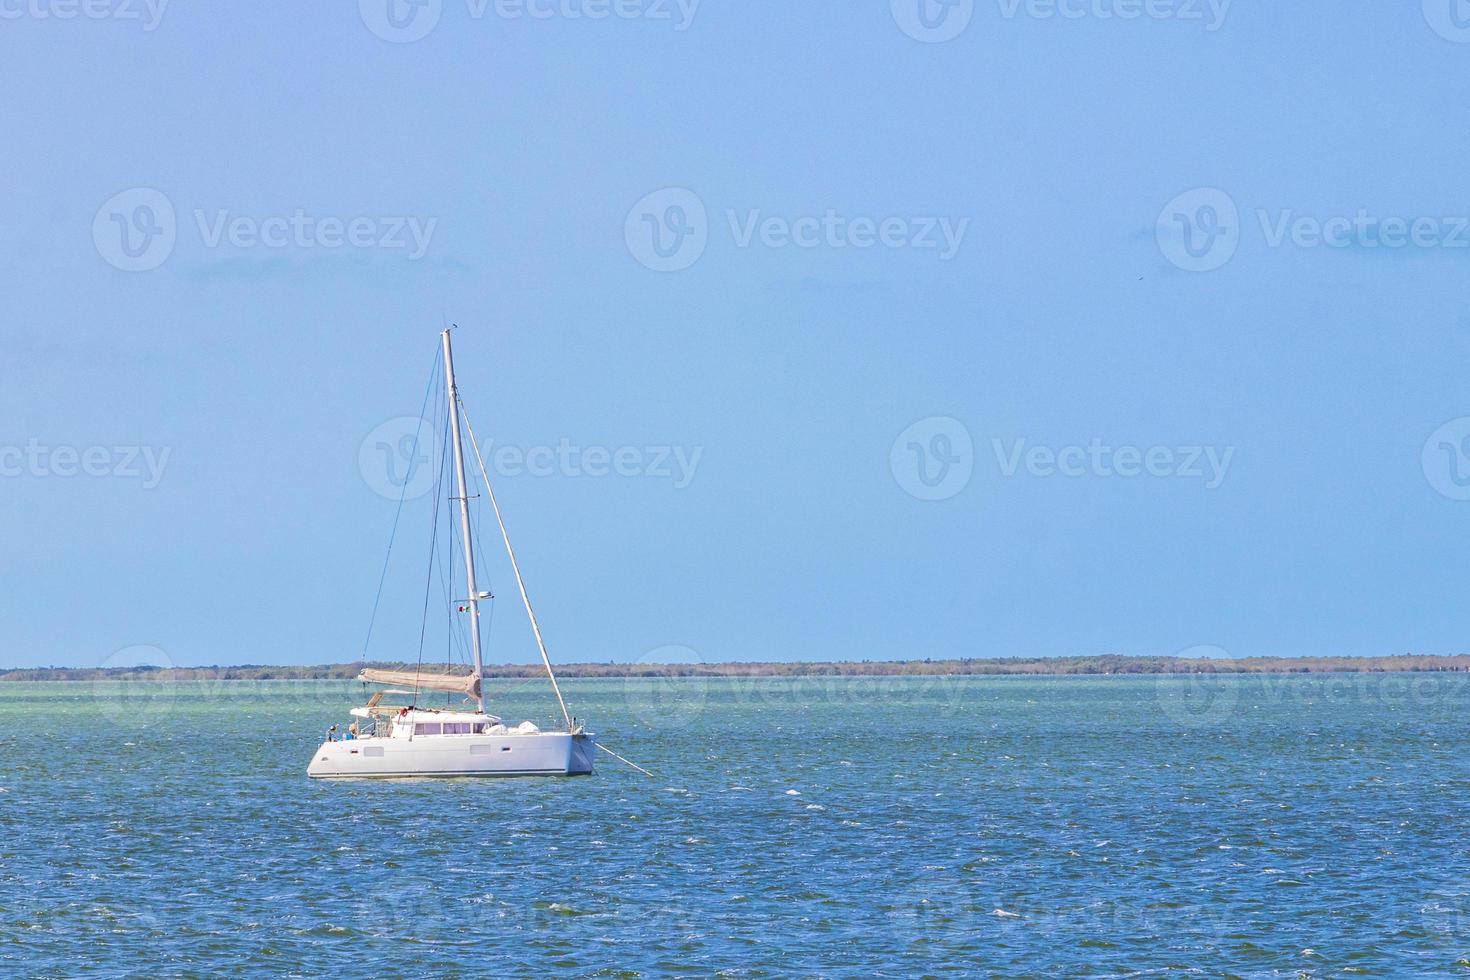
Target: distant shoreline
[{"x": 998, "y": 666}]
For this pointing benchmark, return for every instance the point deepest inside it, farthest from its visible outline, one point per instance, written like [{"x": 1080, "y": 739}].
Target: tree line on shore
[{"x": 1094, "y": 665}]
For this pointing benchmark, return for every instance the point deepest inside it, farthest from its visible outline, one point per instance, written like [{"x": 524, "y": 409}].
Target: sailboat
[{"x": 400, "y": 740}]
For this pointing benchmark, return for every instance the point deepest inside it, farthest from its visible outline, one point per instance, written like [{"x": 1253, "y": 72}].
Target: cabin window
[
  {"x": 430, "y": 728},
  {"x": 457, "y": 728},
  {"x": 373, "y": 752}
]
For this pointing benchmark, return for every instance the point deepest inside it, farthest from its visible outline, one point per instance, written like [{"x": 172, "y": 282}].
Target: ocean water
[{"x": 1103, "y": 826}]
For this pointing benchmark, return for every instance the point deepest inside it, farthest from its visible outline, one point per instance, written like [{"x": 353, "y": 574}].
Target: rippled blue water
[{"x": 1261, "y": 826}]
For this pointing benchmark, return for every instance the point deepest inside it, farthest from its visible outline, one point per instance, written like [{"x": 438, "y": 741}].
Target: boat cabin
[{"x": 417, "y": 722}]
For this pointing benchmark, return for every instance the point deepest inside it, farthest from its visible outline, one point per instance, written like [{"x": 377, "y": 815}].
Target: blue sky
[{"x": 1134, "y": 280}]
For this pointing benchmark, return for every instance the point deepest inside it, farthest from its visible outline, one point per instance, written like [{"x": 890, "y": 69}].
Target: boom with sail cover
[{"x": 466, "y": 684}]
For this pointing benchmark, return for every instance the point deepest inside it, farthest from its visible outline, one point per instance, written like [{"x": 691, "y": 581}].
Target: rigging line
[
  {"x": 398, "y": 512},
  {"x": 429, "y": 577},
  {"x": 457, "y": 624},
  {"x": 453, "y": 636},
  {"x": 451, "y": 633},
  {"x": 457, "y": 643},
  {"x": 515, "y": 565}
]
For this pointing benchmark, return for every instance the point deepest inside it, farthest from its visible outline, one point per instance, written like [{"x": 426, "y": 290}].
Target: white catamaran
[{"x": 406, "y": 740}]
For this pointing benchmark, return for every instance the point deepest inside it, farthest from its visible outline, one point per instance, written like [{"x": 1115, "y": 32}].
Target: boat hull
[{"x": 539, "y": 754}]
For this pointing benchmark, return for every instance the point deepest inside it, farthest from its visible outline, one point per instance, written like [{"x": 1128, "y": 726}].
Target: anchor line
[{"x": 624, "y": 761}]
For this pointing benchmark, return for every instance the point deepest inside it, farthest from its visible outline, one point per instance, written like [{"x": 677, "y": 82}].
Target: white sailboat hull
[{"x": 539, "y": 754}]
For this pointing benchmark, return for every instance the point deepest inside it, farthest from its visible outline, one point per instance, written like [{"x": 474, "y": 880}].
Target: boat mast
[{"x": 464, "y": 519}]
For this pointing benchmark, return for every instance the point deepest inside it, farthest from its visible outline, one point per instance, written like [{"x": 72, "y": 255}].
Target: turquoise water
[{"x": 1258, "y": 826}]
